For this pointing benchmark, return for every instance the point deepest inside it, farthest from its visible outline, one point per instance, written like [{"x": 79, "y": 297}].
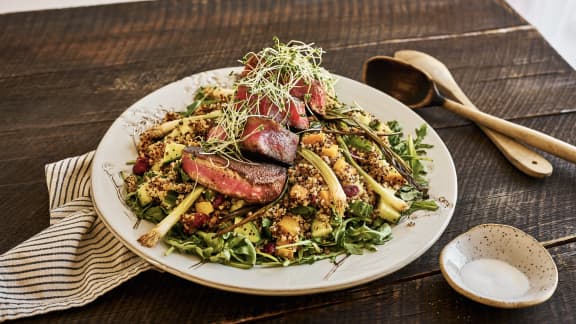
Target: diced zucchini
[
  {"x": 172, "y": 151},
  {"x": 320, "y": 228},
  {"x": 249, "y": 230},
  {"x": 156, "y": 167},
  {"x": 169, "y": 199},
  {"x": 174, "y": 133},
  {"x": 144, "y": 194}
]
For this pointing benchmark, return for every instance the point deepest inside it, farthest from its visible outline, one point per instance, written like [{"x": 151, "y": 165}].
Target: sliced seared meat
[
  {"x": 313, "y": 93},
  {"x": 297, "y": 114},
  {"x": 250, "y": 65},
  {"x": 216, "y": 132},
  {"x": 265, "y": 107},
  {"x": 259, "y": 106},
  {"x": 255, "y": 183},
  {"x": 267, "y": 138}
]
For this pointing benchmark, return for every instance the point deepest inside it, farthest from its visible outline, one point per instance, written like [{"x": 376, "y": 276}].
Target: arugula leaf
[
  {"x": 201, "y": 98},
  {"x": 306, "y": 211},
  {"x": 354, "y": 236},
  {"x": 266, "y": 223},
  {"x": 154, "y": 214},
  {"x": 171, "y": 197},
  {"x": 358, "y": 142},
  {"x": 183, "y": 176},
  {"x": 361, "y": 210},
  {"x": 412, "y": 150},
  {"x": 416, "y": 200},
  {"x": 422, "y": 205},
  {"x": 409, "y": 193},
  {"x": 231, "y": 248},
  {"x": 358, "y": 239}
]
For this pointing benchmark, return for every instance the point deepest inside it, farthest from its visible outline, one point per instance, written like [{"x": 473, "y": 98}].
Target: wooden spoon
[
  {"x": 415, "y": 89},
  {"x": 523, "y": 158}
]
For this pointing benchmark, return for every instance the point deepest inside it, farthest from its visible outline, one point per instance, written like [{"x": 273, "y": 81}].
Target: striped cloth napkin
[{"x": 73, "y": 261}]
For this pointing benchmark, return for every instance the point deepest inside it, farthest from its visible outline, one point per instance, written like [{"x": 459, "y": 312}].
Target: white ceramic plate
[{"x": 411, "y": 238}]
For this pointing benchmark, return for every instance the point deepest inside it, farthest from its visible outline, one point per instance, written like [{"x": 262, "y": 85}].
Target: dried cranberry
[
  {"x": 269, "y": 248},
  {"x": 199, "y": 220},
  {"x": 218, "y": 200},
  {"x": 313, "y": 198},
  {"x": 140, "y": 166},
  {"x": 351, "y": 190}
]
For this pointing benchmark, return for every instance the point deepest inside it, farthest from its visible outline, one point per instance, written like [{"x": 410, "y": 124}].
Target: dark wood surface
[{"x": 65, "y": 75}]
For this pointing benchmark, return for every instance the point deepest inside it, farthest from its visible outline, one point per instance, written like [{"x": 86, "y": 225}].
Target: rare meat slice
[
  {"x": 297, "y": 114},
  {"x": 251, "y": 64},
  {"x": 267, "y": 138},
  {"x": 257, "y": 105},
  {"x": 294, "y": 115},
  {"x": 253, "y": 182},
  {"x": 313, "y": 94},
  {"x": 217, "y": 133}
]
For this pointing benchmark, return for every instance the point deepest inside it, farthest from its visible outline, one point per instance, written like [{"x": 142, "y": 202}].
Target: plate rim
[{"x": 269, "y": 292}]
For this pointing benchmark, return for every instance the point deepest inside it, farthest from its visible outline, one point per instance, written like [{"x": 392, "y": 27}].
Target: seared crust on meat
[
  {"x": 268, "y": 138},
  {"x": 253, "y": 182}
]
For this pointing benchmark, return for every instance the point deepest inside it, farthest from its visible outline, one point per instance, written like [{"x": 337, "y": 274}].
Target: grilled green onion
[
  {"x": 334, "y": 186},
  {"x": 159, "y": 231}
]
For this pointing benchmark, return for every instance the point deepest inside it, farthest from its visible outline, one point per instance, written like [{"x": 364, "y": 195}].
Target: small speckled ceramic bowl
[{"x": 501, "y": 243}]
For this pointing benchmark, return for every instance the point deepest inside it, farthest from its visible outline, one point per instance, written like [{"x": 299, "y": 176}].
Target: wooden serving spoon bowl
[
  {"x": 525, "y": 159},
  {"x": 416, "y": 89}
]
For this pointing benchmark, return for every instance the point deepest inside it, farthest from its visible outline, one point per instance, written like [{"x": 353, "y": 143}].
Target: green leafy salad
[{"x": 275, "y": 170}]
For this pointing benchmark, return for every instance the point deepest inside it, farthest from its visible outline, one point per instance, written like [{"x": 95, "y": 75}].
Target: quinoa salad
[{"x": 275, "y": 170}]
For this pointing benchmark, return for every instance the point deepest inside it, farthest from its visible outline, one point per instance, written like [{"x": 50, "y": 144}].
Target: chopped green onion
[
  {"x": 151, "y": 238},
  {"x": 334, "y": 186},
  {"x": 386, "y": 194},
  {"x": 167, "y": 127}
]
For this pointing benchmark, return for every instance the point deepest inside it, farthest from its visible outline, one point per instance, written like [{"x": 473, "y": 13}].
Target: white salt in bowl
[{"x": 500, "y": 266}]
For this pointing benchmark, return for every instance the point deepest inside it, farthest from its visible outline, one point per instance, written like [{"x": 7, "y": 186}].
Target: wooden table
[{"x": 65, "y": 75}]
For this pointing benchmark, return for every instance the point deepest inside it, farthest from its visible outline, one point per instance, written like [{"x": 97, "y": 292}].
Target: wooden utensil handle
[
  {"x": 525, "y": 159},
  {"x": 522, "y": 157},
  {"x": 527, "y": 135}
]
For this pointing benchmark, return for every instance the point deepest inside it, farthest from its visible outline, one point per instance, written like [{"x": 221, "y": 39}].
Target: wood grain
[
  {"x": 423, "y": 299},
  {"x": 128, "y": 33},
  {"x": 65, "y": 75}
]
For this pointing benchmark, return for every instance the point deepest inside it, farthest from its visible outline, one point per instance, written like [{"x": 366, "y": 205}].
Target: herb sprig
[{"x": 280, "y": 68}]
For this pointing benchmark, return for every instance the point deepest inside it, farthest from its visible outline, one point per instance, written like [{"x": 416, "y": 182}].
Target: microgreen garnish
[
  {"x": 278, "y": 69},
  {"x": 274, "y": 72}
]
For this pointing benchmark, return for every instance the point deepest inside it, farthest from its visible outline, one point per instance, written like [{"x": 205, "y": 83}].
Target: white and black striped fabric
[{"x": 73, "y": 261}]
